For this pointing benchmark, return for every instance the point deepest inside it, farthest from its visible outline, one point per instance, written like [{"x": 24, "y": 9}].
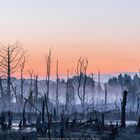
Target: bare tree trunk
[
  {"x": 138, "y": 104},
  {"x": 16, "y": 96},
  {"x": 84, "y": 95},
  {"x": 57, "y": 89},
  {"x": 123, "y": 109},
  {"x": 48, "y": 72},
  {"x": 21, "y": 99},
  {"x": 43, "y": 112},
  {"x": 92, "y": 89},
  {"x": 81, "y": 74},
  {"x": 62, "y": 126},
  {"x": 8, "y": 79},
  {"x": 105, "y": 97},
  {"x": 85, "y": 64},
  {"x": 23, "y": 114},
  {"x": 2, "y": 94},
  {"x": 22, "y": 65},
  {"x": 67, "y": 94},
  {"x": 103, "y": 122},
  {"x": 24, "y": 107},
  {"x": 138, "y": 126},
  {"x": 36, "y": 90},
  {"x": 31, "y": 91}
]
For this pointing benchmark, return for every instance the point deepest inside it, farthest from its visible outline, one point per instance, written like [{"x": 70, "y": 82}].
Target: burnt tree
[
  {"x": 105, "y": 96},
  {"x": 67, "y": 93},
  {"x": 22, "y": 66},
  {"x": 81, "y": 73},
  {"x": 57, "y": 89},
  {"x": 123, "y": 109},
  {"x": 10, "y": 60},
  {"x": 43, "y": 112},
  {"x": 48, "y": 74},
  {"x": 36, "y": 90}
]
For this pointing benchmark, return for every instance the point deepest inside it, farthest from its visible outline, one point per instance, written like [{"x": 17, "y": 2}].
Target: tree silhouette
[{"x": 11, "y": 57}]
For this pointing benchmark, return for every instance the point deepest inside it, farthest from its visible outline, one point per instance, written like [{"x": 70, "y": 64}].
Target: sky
[{"x": 107, "y": 32}]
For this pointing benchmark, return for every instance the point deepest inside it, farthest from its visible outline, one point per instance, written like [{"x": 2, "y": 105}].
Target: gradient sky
[{"x": 107, "y": 32}]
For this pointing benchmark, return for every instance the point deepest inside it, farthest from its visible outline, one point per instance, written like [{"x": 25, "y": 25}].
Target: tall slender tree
[
  {"x": 67, "y": 93},
  {"x": 22, "y": 66},
  {"x": 81, "y": 73},
  {"x": 35, "y": 89},
  {"x": 48, "y": 74},
  {"x": 57, "y": 88}
]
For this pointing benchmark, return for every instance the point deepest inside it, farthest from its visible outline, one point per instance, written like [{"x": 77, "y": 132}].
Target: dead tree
[
  {"x": 92, "y": 89},
  {"x": 70, "y": 97},
  {"x": 15, "y": 92},
  {"x": 2, "y": 93},
  {"x": 35, "y": 89},
  {"x": 57, "y": 89},
  {"x": 10, "y": 59},
  {"x": 43, "y": 112},
  {"x": 138, "y": 126},
  {"x": 67, "y": 93},
  {"x": 72, "y": 100},
  {"x": 49, "y": 124},
  {"x": 138, "y": 103},
  {"x": 81, "y": 75},
  {"x": 48, "y": 73},
  {"x": 103, "y": 122},
  {"x": 10, "y": 118},
  {"x": 24, "y": 107},
  {"x": 2, "y": 121},
  {"x": 85, "y": 64},
  {"x": 62, "y": 126},
  {"x": 24, "y": 111},
  {"x": 105, "y": 96},
  {"x": 22, "y": 66},
  {"x": 123, "y": 109},
  {"x": 31, "y": 90}
]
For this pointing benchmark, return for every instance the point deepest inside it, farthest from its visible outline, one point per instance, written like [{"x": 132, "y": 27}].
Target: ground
[
  {"x": 124, "y": 134},
  {"x": 128, "y": 134}
]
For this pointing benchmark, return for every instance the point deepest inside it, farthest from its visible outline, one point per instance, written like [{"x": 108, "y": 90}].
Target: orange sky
[
  {"x": 106, "y": 32},
  {"x": 108, "y": 56}
]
